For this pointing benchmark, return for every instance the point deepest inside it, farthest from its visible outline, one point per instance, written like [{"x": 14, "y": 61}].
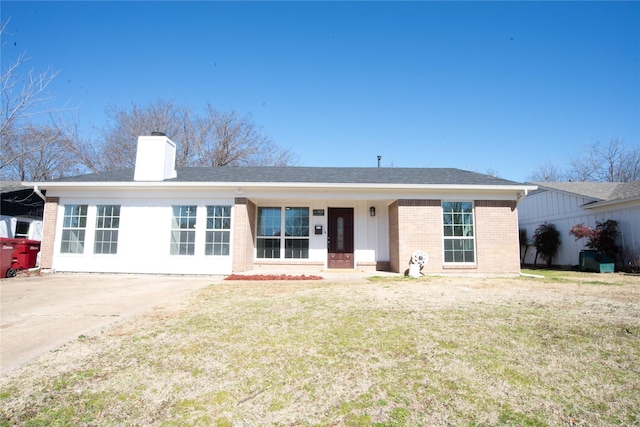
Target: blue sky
[{"x": 505, "y": 86}]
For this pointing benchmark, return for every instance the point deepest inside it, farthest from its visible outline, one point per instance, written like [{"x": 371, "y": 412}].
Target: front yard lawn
[{"x": 562, "y": 350}]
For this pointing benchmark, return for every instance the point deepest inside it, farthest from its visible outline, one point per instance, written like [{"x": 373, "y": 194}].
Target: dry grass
[{"x": 390, "y": 352}]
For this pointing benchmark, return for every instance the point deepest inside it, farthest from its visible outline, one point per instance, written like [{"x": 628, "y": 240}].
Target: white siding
[
  {"x": 564, "y": 211},
  {"x": 145, "y": 231},
  {"x": 371, "y": 232},
  {"x": 143, "y": 241}
]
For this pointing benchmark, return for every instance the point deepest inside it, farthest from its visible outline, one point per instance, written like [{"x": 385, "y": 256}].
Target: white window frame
[
  {"x": 74, "y": 227},
  {"x": 183, "y": 230},
  {"x": 218, "y": 231},
  {"x": 111, "y": 226},
  {"x": 456, "y": 228}
]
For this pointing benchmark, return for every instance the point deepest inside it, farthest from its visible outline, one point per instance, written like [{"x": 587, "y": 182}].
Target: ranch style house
[{"x": 222, "y": 220}]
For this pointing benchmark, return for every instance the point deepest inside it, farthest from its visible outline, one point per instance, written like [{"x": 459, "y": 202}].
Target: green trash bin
[{"x": 594, "y": 261}]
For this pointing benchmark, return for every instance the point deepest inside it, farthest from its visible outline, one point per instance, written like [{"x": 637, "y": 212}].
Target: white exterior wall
[
  {"x": 628, "y": 217},
  {"x": 144, "y": 235},
  {"x": 564, "y": 211},
  {"x": 376, "y": 235},
  {"x": 371, "y": 233},
  {"x": 144, "y": 238}
]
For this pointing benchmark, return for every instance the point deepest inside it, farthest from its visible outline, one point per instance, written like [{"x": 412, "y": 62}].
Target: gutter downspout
[
  {"x": 518, "y": 200},
  {"x": 534, "y": 276},
  {"x": 39, "y": 193},
  {"x": 521, "y": 197}
]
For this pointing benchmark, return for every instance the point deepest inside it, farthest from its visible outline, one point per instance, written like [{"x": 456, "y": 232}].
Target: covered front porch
[{"x": 310, "y": 235}]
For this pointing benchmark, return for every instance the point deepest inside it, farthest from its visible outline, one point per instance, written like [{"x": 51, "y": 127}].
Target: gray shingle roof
[
  {"x": 599, "y": 191},
  {"x": 626, "y": 191},
  {"x": 329, "y": 175}
]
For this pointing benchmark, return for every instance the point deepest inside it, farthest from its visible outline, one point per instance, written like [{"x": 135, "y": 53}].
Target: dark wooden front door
[{"x": 340, "y": 238}]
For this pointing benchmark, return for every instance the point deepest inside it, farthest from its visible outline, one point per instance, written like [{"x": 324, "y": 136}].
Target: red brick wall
[
  {"x": 420, "y": 228},
  {"x": 394, "y": 238},
  {"x": 49, "y": 232},
  {"x": 374, "y": 266},
  {"x": 417, "y": 225},
  {"x": 497, "y": 242},
  {"x": 244, "y": 218}
]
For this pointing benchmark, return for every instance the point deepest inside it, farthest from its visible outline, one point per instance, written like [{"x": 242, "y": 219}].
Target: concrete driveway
[{"x": 41, "y": 313}]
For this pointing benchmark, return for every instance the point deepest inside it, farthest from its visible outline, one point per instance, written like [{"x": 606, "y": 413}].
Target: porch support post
[
  {"x": 244, "y": 218},
  {"x": 48, "y": 232}
]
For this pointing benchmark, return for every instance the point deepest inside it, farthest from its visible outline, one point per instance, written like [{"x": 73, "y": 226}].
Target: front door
[{"x": 340, "y": 238}]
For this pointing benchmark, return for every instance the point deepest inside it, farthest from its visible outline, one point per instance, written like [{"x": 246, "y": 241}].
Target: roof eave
[
  {"x": 282, "y": 185},
  {"x": 605, "y": 203}
]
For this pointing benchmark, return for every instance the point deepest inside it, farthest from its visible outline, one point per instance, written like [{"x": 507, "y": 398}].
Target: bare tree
[
  {"x": 119, "y": 136},
  {"x": 548, "y": 172},
  {"x": 49, "y": 154},
  {"x": 599, "y": 162},
  {"x": 87, "y": 154},
  {"x": 611, "y": 162},
  {"x": 214, "y": 139},
  {"x": 489, "y": 171},
  {"x": 492, "y": 172},
  {"x": 24, "y": 98},
  {"x": 23, "y": 95},
  {"x": 235, "y": 140}
]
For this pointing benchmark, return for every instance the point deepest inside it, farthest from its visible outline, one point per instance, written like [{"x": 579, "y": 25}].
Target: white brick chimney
[{"x": 155, "y": 158}]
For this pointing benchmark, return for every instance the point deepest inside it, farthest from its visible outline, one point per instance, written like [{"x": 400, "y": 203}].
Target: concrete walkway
[{"x": 41, "y": 313}]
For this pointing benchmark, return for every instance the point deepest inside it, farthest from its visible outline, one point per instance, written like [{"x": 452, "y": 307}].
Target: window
[
  {"x": 296, "y": 242},
  {"x": 218, "y": 234},
  {"x": 270, "y": 242},
  {"x": 459, "y": 240},
  {"x": 183, "y": 230},
  {"x": 22, "y": 229},
  {"x": 269, "y": 226},
  {"x": 74, "y": 224},
  {"x": 107, "y": 224}
]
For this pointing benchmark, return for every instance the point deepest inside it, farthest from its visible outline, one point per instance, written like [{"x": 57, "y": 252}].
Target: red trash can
[
  {"x": 27, "y": 253},
  {"x": 8, "y": 259}
]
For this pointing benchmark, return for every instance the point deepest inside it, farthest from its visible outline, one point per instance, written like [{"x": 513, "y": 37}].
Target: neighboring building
[
  {"x": 566, "y": 204},
  {"x": 156, "y": 219},
  {"x": 21, "y": 210}
]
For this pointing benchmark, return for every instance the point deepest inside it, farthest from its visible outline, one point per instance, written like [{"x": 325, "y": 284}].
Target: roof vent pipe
[{"x": 379, "y": 158}]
